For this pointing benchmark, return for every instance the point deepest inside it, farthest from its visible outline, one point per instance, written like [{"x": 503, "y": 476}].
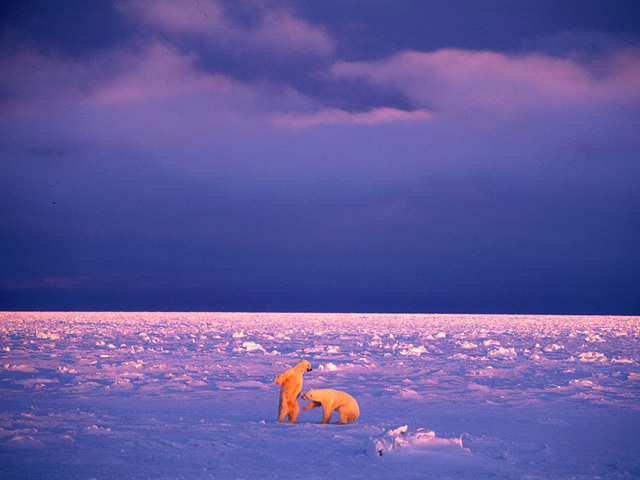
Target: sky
[{"x": 336, "y": 156}]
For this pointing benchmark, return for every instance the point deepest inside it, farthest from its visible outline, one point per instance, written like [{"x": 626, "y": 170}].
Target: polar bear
[
  {"x": 332, "y": 400},
  {"x": 291, "y": 382}
]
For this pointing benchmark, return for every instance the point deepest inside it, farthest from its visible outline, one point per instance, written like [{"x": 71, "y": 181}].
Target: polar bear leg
[
  {"x": 326, "y": 413},
  {"x": 283, "y": 412},
  {"x": 294, "y": 410},
  {"x": 312, "y": 405},
  {"x": 346, "y": 415}
]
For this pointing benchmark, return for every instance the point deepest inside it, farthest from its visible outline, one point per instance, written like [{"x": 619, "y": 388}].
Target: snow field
[{"x": 181, "y": 395}]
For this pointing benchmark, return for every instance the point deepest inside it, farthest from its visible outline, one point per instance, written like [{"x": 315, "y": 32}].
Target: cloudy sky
[{"x": 334, "y": 155}]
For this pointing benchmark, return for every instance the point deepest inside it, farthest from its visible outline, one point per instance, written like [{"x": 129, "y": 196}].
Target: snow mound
[
  {"x": 422, "y": 441},
  {"x": 329, "y": 366},
  {"x": 24, "y": 441},
  {"x": 47, "y": 335},
  {"x": 253, "y": 347},
  {"x": 594, "y": 339},
  {"x": 411, "y": 350},
  {"x": 18, "y": 368},
  {"x": 407, "y": 393},
  {"x": 621, "y": 360},
  {"x": 591, "y": 357},
  {"x": 502, "y": 352}
]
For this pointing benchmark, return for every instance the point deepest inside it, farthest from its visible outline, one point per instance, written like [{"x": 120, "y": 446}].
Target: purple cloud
[
  {"x": 342, "y": 117},
  {"x": 495, "y": 85}
]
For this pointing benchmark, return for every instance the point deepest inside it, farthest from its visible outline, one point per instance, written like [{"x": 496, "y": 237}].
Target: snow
[
  {"x": 502, "y": 352},
  {"x": 399, "y": 441},
  {"x": 191, "y": 395}
]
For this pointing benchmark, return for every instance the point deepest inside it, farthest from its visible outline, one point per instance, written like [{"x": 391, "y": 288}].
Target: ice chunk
[
  {"x": 47, "y": 335},
  {"x": 411, "y": 350},
  {"x": 591, "y": 357},
  {"x": 594, "y": 338},
  {"x": 502, "y": 352},
  {"x": 25, "y": 441},
  {"x": 329, "y": 366},
  {"x": 19, "y": 368},
  {"x": 401, "y": 441},
  {"x": 553, "y": 348},
  {"x": 407, "y": 393},
  {"x": 621, "y": 360},
  {"x": 253, "y": 347}
]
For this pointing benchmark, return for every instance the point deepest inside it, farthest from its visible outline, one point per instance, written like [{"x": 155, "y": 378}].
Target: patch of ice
[
  {"x": 489, "y": 343},
  {"x": 468, "y": 345}
]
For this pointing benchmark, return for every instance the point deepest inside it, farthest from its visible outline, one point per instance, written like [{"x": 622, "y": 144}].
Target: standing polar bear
[
  {"x": 291, "y": 382},
  {"x": 332, "y": 400}
]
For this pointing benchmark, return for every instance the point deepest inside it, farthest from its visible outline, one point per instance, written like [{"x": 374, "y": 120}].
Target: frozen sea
[{"x": 191, "y": 395}]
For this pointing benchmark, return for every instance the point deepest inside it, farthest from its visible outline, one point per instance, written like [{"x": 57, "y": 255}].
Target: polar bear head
[
  {"x": 308, "y": 395},
  {"x": 304, "y": 366},
  {"x": 294, "y": 372}
]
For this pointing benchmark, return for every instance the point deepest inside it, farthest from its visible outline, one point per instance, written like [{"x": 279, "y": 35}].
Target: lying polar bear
[
  {"x": 291, "y": 382},
  {"x": 332, "y": 400}
]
